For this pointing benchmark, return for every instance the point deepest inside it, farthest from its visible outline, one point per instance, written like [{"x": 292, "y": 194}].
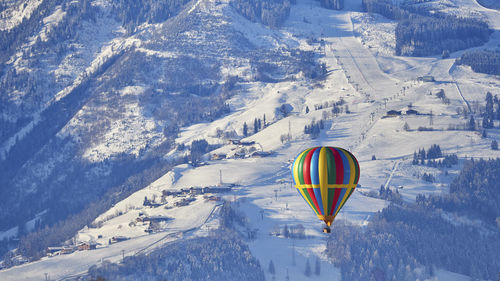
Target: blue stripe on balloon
[
  {"x": 342, "y": 193},
  {"x": 315, "y": 167},
  {"x": 317, "y": 193},
  {"x": 347, "y": 167}
]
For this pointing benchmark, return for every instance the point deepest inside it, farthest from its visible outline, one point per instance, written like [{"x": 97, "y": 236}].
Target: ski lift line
[
  {"x": 394, "y": 168},
  {"x": 461, "y": 95}
]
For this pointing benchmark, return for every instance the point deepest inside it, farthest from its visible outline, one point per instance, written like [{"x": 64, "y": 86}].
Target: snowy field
[{"x": 363, "y": 72}]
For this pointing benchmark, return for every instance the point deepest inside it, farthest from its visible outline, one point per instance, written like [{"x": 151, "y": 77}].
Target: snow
[
  {"x": 96, "y": 43},
  {"x": 370, "y": 80},
  {"x": 375, "y": 31},
  {"x": 129, "y": 134},
  {"x": 16, "y": 12},
  {"x": 51, "y": 22}
]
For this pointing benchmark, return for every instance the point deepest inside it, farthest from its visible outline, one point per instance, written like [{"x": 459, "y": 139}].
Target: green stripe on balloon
[{"x": 309, "y": 200}]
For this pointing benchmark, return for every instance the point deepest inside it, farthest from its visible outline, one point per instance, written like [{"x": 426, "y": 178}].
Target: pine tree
[
  {"x": 489, "y": 106},
  {"x": 307, "y": 109},
  {"x": 286, "y": 232},
  {"x": 494, "y": 145},
  {"x": 308, "y": 272},
  {"x": 406, "y": 127},
  {"x": 317, "y": 267},
  {"x": 472, "y": 124},
  {"x": 271, "y": 268},
  {"x": 381, "y": 191},
  {"x": 486, "y": 122},
  {"x": 245, "y": 129}
]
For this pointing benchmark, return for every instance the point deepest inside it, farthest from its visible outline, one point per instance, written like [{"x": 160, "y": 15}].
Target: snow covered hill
[{"x": 362, "y": 76}]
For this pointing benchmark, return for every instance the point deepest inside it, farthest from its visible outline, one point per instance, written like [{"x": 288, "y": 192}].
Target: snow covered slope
[{"x": 361, "y": 71}]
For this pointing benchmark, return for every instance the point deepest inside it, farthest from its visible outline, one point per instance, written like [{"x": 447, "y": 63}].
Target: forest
[
  {"x": 458, "y": 232},
  {"x": 133, "y": 13},
  {"x": 269, "y": 12},
  {"x": 424, "y": 32},
  {"x": 482, "y": 61},
  {"x": 332, "y": 4}
]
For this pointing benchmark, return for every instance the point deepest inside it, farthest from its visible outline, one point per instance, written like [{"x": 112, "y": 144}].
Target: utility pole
[
  {"x": 220, "y": 177},
  {"x": 123, "y": 255},
  {"x": 276, "y": 194},
  {"x": 46, "y": 276},
  {"x": 289, "y": 131}
]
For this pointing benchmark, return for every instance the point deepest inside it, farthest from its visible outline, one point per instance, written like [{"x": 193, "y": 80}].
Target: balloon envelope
[{"x": 325, "y": 177}]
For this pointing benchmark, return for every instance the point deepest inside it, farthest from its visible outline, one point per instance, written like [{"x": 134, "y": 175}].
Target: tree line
[
  {"x": 132, "y": 13},
  {"x": 482, "y": 61},
  {"x": 269, "y": 12},
  {"x": 421, "y": 32}
]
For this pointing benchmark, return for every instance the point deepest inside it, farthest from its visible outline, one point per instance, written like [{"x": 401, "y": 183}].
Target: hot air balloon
[{"x": 325, "y": 177}]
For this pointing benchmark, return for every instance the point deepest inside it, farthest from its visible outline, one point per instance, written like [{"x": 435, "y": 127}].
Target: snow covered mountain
[{"x": 104, "y": 103}]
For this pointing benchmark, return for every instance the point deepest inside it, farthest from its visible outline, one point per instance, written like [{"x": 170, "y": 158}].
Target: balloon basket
[{"x": 327, "y": 230}]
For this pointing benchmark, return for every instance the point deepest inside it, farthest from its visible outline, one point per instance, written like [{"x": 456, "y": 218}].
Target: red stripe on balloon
[
  {"x": 307, "y": 166},
  {"x": 336, "y": 196},
  {"x": 339, "y": 166}
]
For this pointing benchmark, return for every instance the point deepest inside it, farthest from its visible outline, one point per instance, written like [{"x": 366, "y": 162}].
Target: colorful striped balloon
[{"x": 326, "y": 177}]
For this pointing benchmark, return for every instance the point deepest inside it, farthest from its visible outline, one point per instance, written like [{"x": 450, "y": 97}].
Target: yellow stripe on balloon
[
  {"x": 296, "y": 167},
  {"x": 323, "y": 178},
  {"x": 343, "y": 201}
]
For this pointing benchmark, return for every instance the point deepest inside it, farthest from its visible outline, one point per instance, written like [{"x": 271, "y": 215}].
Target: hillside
[{"x": 119, "y": 116}]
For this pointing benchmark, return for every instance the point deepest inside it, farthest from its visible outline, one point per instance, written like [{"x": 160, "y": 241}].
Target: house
[
  {"x": 393, "y": 113},
  {"x": 52, "y": 251},
  {"x": 116, "y": 239},
  {"x": 195, "y": 190},
  {"x": 214, "y": 198},
  {"x": 87, "y": 246},
  {"x": 234, "y": 141},
  {"x": 411, "y": 112},
  {"x": 218, "y": 156},
  {"x": 171, "y": 193},
  {"x": 68, "y": 250},
  {"x": 239, "y": 155},
  {"x": 426, "y": 78},
  {"x": 184, "y": 202}
]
